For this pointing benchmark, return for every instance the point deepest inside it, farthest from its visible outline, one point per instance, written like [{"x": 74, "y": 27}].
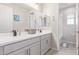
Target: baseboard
[{"x": 54, "y": 49}]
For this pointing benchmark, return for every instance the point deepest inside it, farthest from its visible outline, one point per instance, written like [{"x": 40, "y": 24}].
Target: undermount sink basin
[{"x": 31, "y": 31}]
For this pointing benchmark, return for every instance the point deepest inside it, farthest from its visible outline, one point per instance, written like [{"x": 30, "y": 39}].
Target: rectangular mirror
[
  {"x": 45, "y": 21},
  {"x": 14, "y": 17}
]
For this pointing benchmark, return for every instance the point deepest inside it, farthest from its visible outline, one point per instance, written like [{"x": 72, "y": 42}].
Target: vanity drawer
[
  {"x": 46, "y": 36},
  {"x": 15, "y": 46}
]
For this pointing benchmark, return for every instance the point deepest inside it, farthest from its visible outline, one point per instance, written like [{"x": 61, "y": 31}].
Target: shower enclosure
[{"x": 68, "y": 25}]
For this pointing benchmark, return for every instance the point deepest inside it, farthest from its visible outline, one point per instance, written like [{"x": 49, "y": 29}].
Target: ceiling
[{"x": 66, "y": 5}]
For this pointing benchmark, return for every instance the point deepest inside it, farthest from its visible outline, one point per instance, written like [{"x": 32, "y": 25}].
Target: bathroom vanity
[{"x": 25, "y": 44}]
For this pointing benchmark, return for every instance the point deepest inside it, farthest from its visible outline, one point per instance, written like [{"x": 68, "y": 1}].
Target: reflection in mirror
[
  {"x": 31, "y": 21},
  {"x": 45, "y": 21}
]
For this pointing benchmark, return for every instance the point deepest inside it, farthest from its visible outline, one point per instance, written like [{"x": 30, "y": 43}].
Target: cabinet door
[
  {"x": 49, "y": 42},
  {"x": 44, "y": 46},
  {"x": 35, "y": 49}
]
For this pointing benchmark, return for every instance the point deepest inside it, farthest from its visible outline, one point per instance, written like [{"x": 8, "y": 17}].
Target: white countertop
[{"x": 7, "y": 38}]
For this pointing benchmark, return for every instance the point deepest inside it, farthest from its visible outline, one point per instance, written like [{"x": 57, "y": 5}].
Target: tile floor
[{"x": 63, "y": 51}]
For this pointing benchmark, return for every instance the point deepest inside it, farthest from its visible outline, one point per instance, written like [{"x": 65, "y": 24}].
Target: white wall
[
  {"x": 51, "y": 9},
  {"x": 6, "y": 19}
]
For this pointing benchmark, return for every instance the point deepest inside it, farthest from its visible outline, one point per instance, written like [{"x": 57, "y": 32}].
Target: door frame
[{"x": 77, "y": 26}]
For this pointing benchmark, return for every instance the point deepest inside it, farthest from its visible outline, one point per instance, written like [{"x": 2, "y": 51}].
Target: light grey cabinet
[
  {"x": 33, "y": 49},
  {"x": 19, "y": 45},
  {"x": 33, "y": 46}
]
